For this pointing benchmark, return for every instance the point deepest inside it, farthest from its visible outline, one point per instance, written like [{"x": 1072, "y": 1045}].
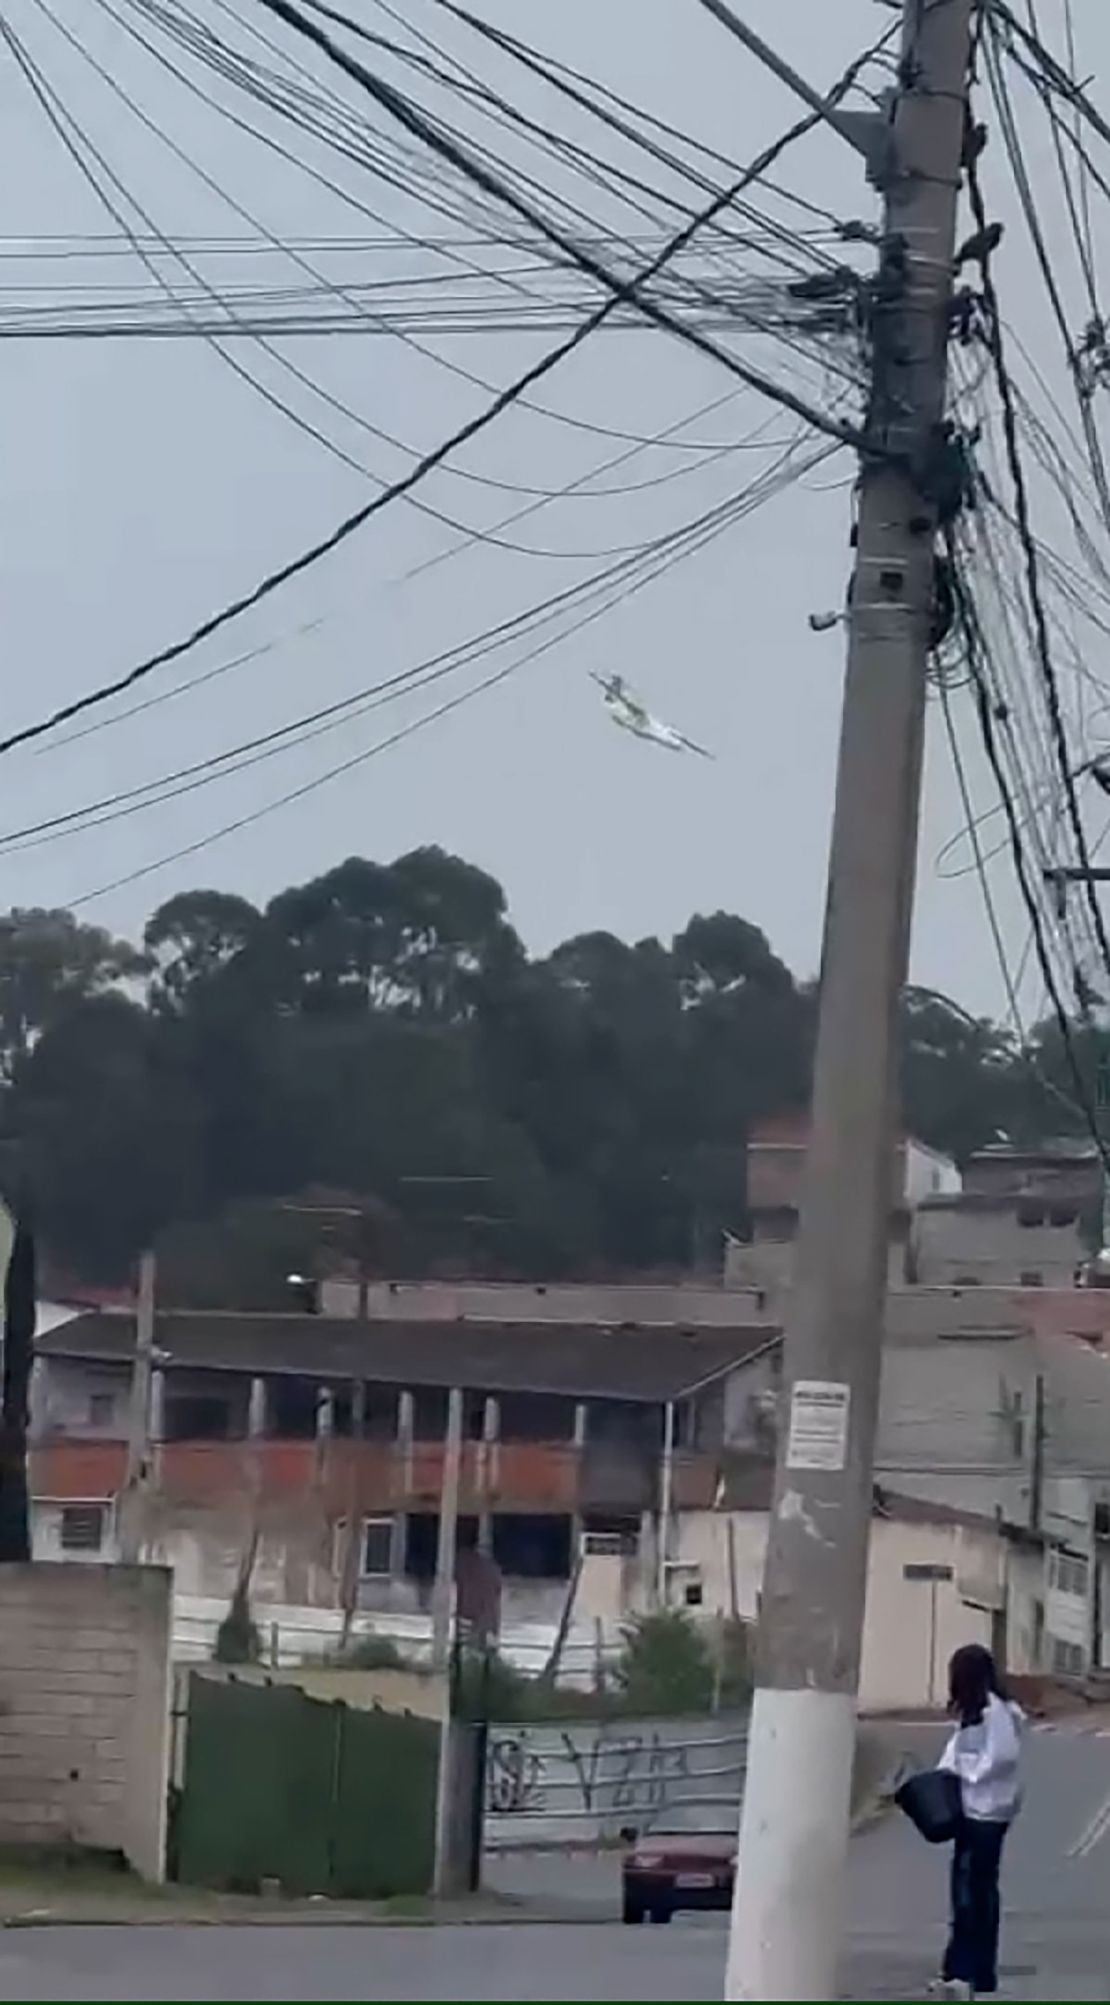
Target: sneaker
[{"x": 950, "y": 1987}]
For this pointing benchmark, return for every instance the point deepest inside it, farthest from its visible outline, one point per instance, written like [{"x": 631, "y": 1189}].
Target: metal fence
[{"x": 585, "y": 1782}]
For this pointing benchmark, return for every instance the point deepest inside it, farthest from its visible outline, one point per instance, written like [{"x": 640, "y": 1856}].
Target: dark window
[
  {"x": 293, "y": 1403},
  {"x": 422, "y": 1538},
  {"x": 102, "y": 1409},
  {"x": 82, "y": 1527},
  {"x": 533, "y": 1547},
  {"x": 692, "y": 1594},
  {"x": 1031, "y": 1277},
  {"x": 197, "y": 1416}
]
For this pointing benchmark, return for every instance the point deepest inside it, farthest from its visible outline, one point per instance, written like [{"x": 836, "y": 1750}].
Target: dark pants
[{"x": 972, "y": 1952}]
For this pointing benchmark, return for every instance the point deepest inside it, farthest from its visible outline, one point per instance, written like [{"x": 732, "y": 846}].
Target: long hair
[{"x": 972, "y": 1679}]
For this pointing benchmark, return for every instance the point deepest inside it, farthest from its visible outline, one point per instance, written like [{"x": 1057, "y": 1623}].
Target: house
[
  {"x": 937, "y": 1577},
  {"x": 275, "y": 1435},
  {"x": 777, "y": 1151}
]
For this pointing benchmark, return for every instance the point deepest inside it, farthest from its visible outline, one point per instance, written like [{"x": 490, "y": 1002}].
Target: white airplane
[{"x": 627, "y": 711}]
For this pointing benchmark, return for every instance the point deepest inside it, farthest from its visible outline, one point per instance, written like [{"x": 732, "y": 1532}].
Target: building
[
  {"x": 275, "y": 1435},
  {"x": 937, "y": 1577},
  {"x": 777, "y": 1151}
]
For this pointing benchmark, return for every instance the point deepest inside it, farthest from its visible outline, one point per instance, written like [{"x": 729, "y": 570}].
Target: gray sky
[{"x": 145, "y": 484}]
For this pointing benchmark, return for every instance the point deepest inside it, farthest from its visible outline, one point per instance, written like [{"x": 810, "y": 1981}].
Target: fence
[
  {"x": 583, "y": 1783},
  {"x": 294, "y": 1635},
  {"x": 319, "y": 1797}
]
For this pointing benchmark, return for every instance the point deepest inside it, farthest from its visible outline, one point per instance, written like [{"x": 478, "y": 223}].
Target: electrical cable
[
  {"x": 1032, "y": 571},
  {"x": 305, "y": 559}
]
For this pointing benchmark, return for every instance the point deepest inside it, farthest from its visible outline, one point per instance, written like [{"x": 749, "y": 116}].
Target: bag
[{"x": 933, "y": 1802}]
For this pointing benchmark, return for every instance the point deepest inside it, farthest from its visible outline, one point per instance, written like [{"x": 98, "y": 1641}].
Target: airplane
[{"x": 627, "y": 711}]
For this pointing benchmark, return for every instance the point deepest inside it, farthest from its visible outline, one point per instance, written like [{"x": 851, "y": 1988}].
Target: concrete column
[
  {"x": 488, "y": 1471},
  {"x": 581, "y": 1431},
  {"x": 157, "y": 1407},
  {"x": 402, "y": 1485},
  {"x": 258, "y": 1416}
]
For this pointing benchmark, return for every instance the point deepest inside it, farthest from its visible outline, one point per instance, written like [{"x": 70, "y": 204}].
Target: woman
[{"x": 985, "y": 1753}]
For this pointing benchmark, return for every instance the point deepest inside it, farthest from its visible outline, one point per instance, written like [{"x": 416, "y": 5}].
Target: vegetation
[
  {"x": 381, "y": 1031},
  {"x": 370, "y": 1653},
  {"x": 237, "y": 1638},
  {"x": 666, "y": 1665}
]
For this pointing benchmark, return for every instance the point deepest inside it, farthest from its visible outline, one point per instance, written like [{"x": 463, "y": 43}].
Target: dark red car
[{"x": 664, "y": 1871}]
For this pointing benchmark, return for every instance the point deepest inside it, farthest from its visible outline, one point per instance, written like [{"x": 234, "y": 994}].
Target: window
[
  {"x": 1067, "y": 1658},
  {"x": 102, "y": 1409},
  {"x": 1031, "y": 1277},
  {"x": 81, "y": 1527},
  {"x": 692, "y": 1594},
  {"x": 1067, "y": 1573},
  {"x": 377, "y": 1544}
]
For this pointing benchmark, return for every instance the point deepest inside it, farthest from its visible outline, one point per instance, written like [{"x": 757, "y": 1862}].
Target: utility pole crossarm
[{"x": 847, "y": 124}]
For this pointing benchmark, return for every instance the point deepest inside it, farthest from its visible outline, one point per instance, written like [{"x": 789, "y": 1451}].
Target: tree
[
  {"x": 193, "y": 940},
  {"x": 666, "y": 1665},
  {"x": 380, "y": 1029},
  {"x": 48, "y": 962},
  {"x": 109, "y": 1134}
]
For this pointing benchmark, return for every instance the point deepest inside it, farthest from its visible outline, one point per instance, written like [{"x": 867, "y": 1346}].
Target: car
[{"x": 662, "y": 1872}]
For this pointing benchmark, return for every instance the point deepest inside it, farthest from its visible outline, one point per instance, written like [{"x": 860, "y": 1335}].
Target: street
[{"x": 1056, "y": 1938}]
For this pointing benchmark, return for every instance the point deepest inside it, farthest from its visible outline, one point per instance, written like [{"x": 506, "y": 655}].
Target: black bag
[{"x": 933, "y": 1802}]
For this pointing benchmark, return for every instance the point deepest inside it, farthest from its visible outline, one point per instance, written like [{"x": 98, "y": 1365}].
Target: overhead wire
[
  {"x": 357, "y": 759},
  {"x": 620, "y": 581},
  {"x": 619, "y": 291}
]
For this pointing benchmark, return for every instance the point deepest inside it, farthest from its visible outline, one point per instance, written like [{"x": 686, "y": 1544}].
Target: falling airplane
[{"x": 626, "y": 710}]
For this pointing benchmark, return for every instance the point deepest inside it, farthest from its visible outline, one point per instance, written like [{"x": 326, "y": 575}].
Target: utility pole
[
  {"x": 1036, "y": 1457},
  {"x": 787, "y": 1917},
  {"x": 138, "y": 1426}
]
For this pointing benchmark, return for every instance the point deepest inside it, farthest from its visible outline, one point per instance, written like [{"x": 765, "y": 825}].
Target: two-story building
[{"x": 276, "y": 1434}]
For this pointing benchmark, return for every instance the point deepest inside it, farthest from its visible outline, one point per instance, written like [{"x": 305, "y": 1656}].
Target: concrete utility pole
[
  {"x": 787, "y": 1918},
  {"x": 130, "y": 1537}
]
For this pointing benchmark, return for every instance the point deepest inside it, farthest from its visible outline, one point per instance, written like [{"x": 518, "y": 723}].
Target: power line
[
  {"x": 1016, "y": 470},
  {"x": 415, "y": 121},
  {"x": 621, "y": 291},
  {"x": 975, "y": 646}
]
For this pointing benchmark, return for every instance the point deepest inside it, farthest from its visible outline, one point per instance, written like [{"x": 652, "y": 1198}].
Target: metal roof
[{"x": 577, "y": 1360}]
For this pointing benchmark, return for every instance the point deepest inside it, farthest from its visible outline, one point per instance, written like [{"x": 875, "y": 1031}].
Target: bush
[
  {"x": 237, "y": 1638},
  {"x": 370, "y": 1653},
  {"x": 666, "y": 1665}
]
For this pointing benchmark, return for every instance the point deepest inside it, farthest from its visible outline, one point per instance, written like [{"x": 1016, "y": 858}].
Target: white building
[{"x": 936, "y": 1578}]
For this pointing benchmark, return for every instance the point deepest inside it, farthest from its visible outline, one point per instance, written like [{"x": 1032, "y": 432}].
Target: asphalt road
[{"x": 1057, "y": 1941}]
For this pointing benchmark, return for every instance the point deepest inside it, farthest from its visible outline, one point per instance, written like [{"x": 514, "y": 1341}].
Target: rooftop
[{"x": 577, "y": 1361}]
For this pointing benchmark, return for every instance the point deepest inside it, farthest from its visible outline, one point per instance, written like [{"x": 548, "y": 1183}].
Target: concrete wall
[
  {"x": 72, "y": 1397},
  {"x": 976, "y": 1240},
  {"x": 928, "y": 1174},
  {"x": 646, "y": 1303},
  {"x": 84, "y": 1708}
]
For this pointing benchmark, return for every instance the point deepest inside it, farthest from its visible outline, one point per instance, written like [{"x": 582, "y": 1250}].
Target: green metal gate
[{"x": 321, "y": 1798}]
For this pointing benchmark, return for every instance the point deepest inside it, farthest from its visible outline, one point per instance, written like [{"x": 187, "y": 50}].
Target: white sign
[{"x": 818, "y": 1436}]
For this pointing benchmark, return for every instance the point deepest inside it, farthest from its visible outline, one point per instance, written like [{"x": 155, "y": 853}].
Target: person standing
[{"x": 984, "y": 1753}]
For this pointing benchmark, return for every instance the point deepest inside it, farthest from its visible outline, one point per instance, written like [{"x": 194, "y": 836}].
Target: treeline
[{"x": 380, "y": 1032}]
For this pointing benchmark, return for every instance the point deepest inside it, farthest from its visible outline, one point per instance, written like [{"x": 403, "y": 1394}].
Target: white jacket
[{"x": 987, "y": 1759}]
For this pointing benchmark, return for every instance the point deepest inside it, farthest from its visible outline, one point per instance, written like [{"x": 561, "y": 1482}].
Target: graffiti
[
  {"x": 547, "y": 1783},
  {"x": 627, "y": 1774},
  {"x": 514, "y": 1775}
]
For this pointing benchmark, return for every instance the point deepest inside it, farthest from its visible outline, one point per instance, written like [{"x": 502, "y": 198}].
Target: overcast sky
[{"x": 145, "y": 483}]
